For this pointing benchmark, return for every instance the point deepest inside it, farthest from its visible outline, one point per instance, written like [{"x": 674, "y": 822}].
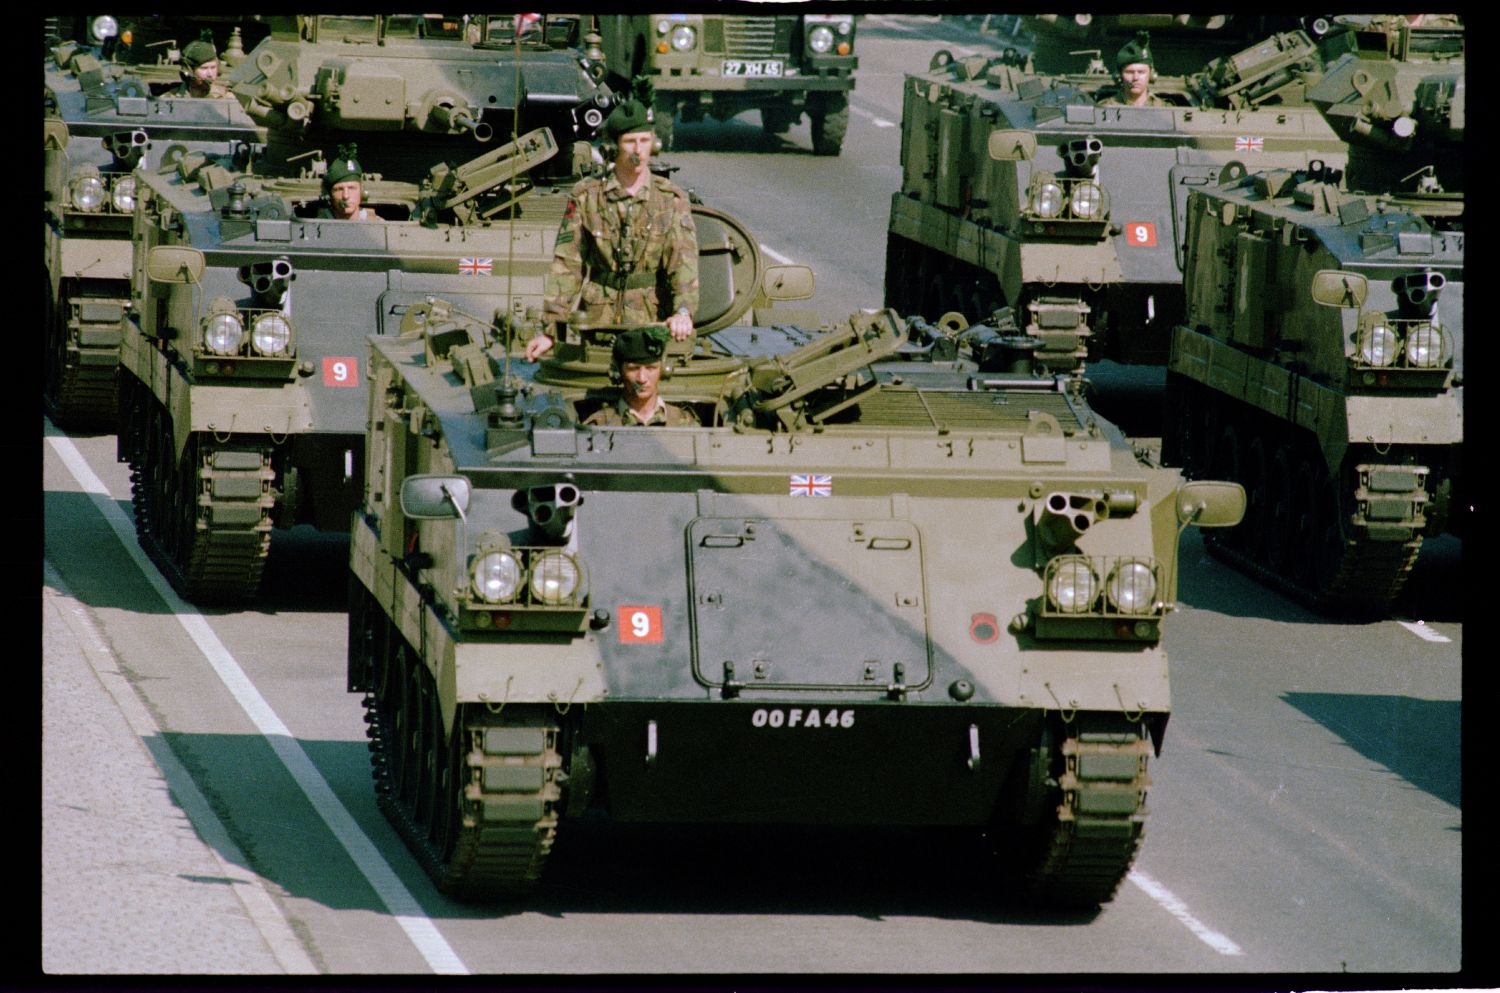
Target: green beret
[
  {"x": 631, "y": 115},
  {"x": 195, "y": 53},
  {"x": 1135, "y": 51},
  {"x": 344, "y": 168},
  {"x": 642, "y": 345}
]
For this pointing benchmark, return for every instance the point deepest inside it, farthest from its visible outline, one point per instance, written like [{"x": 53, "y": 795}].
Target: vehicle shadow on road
[{"x": 742, "y": 135}]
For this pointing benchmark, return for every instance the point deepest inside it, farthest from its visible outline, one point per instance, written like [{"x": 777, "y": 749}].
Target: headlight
[
  {"x": 1378, "y": 345},
  {"x": 270, "y": 334},
  {"x": 820, "y": 39},
  {"x": 845, "y": 27},
  {"x": 1047, "y": 199},
  {"x": 1132, "y": 587},
  {"x": 223, "y": 333},
  {"x": 684, "y": 38},
  {"x": 497, "y": 577},
  {"x": 123, "y": 194},
  {"x": 1086, "y": 201},
  {"x": 554, "y": 578},
  {"x": 1072, "y": 586},
  {"x": 104, "y": 26},
  {"x": 87, "y": 192},
  {"x": 663, "y": 26},
  {"x": 1425, "y": 347}
]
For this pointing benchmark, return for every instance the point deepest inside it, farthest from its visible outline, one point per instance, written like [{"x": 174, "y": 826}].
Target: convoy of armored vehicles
[{"x": 550, "y": 618}]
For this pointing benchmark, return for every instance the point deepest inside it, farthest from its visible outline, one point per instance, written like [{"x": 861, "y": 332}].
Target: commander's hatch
[
  {"x": 792, "y": 603},
  {"x": 729, "y": 269}
]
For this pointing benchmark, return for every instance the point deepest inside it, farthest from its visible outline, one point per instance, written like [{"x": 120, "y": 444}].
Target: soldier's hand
[
  {"x": 681, "y": 326},
  {"x": 538, "y": 346}
]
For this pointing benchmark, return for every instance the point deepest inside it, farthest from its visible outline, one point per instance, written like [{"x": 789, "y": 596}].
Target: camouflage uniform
[
  {"x": 618, "y": 414},
  {"x": 616, "y": 254},
  {"x": 1113, "y": 100}
]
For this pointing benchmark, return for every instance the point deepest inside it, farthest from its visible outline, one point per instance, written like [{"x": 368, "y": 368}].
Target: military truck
[
  {"x": 1321, "y": 359},
  {"x": 102, "y": 123},
  {"x": 243, "y": 379},
  {"x": 419, "y": 87},
  {"x": 720, "y": 65},
  {"x": 550, "y": 619},
  {"x": 1018, "y": 185}
]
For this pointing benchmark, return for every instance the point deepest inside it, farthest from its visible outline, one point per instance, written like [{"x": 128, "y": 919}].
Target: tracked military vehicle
[
  {"x": 1180, "y": 42},
  {"x": 243, "y": 380},
  {"x": 1321, "y": 359},
  {"x": 102, "y": 124},
  {"x": 1018, "y": 185},
  {"x": 719, "y": 65},
  {"x": 426, "y": 87},
  {"x": 550, "y": 618}
]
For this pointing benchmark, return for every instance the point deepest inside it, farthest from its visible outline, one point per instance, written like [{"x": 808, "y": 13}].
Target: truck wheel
[
  {"x": 666, "y": 115},
  {"x": 829, "y": 121}
]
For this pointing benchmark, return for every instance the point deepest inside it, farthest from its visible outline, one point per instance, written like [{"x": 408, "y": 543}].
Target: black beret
[
  {"x": 1135, "y": 51},
  {"x": 640, "y": 345},
  {"x": 631, "y": 115},
  {"x": 343, "y": 168},
  {"x": 195, "y": 53}
]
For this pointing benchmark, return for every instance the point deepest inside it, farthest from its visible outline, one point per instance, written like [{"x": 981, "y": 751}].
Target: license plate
[{"x": 752, "y": 67}]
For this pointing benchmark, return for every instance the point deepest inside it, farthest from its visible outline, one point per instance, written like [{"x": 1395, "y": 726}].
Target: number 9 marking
[
  {"x": 640, "y": 625},
  {"x": 340, "y": 370},
  {"x": 1140, "y": 234}
]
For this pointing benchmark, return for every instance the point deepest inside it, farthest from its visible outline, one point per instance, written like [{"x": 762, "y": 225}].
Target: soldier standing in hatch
[
  {"x": 635, "y": 362},
  {"x": 344, "y": 188},
  {"x": 200, "y": 71},
  {"x": 1136, "y": 71},
  {"x": 624, "y": 238}
]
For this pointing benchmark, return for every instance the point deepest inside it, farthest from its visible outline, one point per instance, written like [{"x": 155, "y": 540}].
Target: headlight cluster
[
  {"x": 830, "y": 35},
  {"x": 549, "y": 576},
  {"x": 270, "y": 332},
  {"x": 1410, "y": 344},
  {"x": 1073, "y": 586},
  {"x": 1080, "y": 199},
  {"x": 677, "y": 38},
  {"x": 90, "y": 193}
]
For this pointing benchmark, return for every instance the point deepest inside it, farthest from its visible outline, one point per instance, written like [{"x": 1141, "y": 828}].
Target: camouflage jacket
[
  {"x": 666, "y": 415},
  {"x": 1113, "y": 99},
  {"x": 625, "y": 259}
]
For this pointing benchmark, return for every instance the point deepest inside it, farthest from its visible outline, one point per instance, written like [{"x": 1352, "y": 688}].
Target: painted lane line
[
  {"x": 776, "y": 255},
  {"x": 1424, "y": 632},
  {"x": 367, "y": 858},
  {"x": 879, "y": 122},
  {"x": 1172, "y": 905}
]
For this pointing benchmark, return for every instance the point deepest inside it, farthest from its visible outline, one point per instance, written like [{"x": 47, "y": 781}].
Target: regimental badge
[
  {"x": 1245, "y": 143},
  {"x": 811, "y": 484},
  {"x": 476, "y": 267}
]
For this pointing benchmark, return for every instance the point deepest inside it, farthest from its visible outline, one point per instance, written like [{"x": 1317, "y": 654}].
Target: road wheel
[{"x": 829, "y": 119}]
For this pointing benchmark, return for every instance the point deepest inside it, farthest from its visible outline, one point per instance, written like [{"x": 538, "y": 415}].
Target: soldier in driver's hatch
[
  {"x": 200, "y": 71},
  {"x": 1135, "y": 71},
  {"x": 635, "y": 363},
  {"x": 627, "y": 249}
]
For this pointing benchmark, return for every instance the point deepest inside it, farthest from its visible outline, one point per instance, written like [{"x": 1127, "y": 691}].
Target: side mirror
[
  {"x": 434, "y": 497},
  {"x": 1012, "y": 146},
  {"x": 1211, "y": 504},
  {"x": 788, "y": 282},
  {"x": 1336, "y": 288},
  {"x": 174, "y": 264}
]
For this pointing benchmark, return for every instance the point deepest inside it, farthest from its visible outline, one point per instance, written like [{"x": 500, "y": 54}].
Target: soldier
[
  {"x": 636, "y": 364},
  {"x": 200, "y": 71},
  {"x": 1136, "y": 73},
  {"x": 624, "y": 238},
  {"x": 343, "y": 187}
]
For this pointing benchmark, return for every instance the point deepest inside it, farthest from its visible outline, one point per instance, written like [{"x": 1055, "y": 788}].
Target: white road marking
[
  {"x": 1424, "y": 632},
  {"x": 776, "y": 255},
  {"x": 387, "y": 885},
  {"x": 1172, "y": 905},
  {"x": 879, "y": 122}
]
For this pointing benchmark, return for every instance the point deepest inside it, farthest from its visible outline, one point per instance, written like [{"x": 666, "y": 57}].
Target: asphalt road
[{"x": 206, "y": 792}]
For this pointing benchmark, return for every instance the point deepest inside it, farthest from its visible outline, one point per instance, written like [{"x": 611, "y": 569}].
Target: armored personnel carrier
[
  {"x": 1018, "y": 185},
  {"x": 428, "y": 87},
  {"x": 1321, "y": 359},
  {"x": 720, "y": 65},
  {"x": 550, "y": 618},
  {"x": 1180, "y": 42},
  {"x": 102, "y": 123},
  {"x": 243, "y": 379}
]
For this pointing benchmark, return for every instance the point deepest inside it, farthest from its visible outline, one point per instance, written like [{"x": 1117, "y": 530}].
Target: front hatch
[{"x": 808, "y": 604}]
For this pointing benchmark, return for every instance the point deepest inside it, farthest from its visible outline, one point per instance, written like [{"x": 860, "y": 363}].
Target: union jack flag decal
[
  {"x": 810, "y": 484},
  {"x": 1245, "y": 143},
  {"x": 475, "y": 267}
]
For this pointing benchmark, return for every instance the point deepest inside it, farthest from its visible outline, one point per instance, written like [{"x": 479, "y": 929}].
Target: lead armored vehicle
[
  {"x": 420, "y": 87},
  {"x": 883, "y": 535},
  {"x": 102, "y": 123},
  {"x": 243, "y": 380},
  {"x": 720, "y": 65},
  {"x": 1018, "y": 185},
  {"x": 1321, "y": 359}
]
